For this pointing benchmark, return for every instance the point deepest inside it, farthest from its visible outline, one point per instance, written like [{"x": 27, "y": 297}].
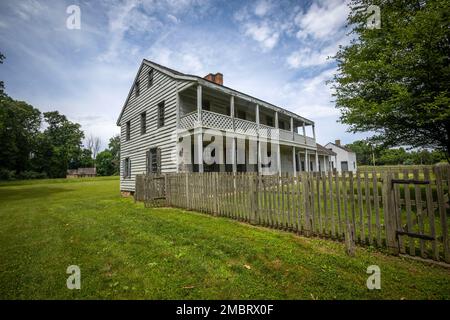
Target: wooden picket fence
[{"x": 406, "y": 212}]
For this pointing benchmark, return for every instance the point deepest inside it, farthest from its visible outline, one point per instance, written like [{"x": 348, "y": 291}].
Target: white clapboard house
[
  {"x": 344, "y": 159},
  {"x": 166, "y": 108}
]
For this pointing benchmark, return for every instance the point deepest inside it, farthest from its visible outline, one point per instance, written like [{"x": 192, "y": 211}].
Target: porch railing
[{"x": 224, "y": 122}]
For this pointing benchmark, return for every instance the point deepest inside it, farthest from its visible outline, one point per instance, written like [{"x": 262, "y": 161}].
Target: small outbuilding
[
  {"x": 344, "y": 160},
  {"x": 81, "y": 173}
]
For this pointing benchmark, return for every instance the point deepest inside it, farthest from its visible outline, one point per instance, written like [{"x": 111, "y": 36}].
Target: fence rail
[{"x": 405, "y": 211}]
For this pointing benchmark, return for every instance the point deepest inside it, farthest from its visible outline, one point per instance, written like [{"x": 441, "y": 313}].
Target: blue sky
[{"x": 274, "y": 50}]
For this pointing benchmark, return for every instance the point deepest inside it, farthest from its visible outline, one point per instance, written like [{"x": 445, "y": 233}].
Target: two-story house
[{"x": 166, "y": 109}]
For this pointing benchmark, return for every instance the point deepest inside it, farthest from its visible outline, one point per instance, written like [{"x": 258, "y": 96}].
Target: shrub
[
  {"x": 27, "y": 175},
  {"x": 7, "y": 175}
]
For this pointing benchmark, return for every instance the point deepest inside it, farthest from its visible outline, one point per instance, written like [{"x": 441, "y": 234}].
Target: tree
[
  {"x": 114, "y": 147},
  {"x": 83, "y": 160},
  {"x": 104, "y": 163},
  {"x": 395, "y": 80},
  {"x": 93, "y": 144},
  {"x": 19, "y": 127},
  {"x": 63, "y": 139},
  {"x": 365, "y": 151}
]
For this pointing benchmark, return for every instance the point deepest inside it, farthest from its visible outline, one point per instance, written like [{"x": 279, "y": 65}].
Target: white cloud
[
  {"x": 314, "y": 56},
  {"x": 172, "y": 18},
  {"x": 322, "y": 20},
  {"x": 311, "y": 97},
  {"x": 262, "y": 8},
  {"x": 266, "y": 36}
]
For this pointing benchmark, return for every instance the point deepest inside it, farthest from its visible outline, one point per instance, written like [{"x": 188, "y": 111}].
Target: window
[
  {"x": 269, "y": 121},
  {"x": 161, "y": 114},
  {"x": 126, "y": 168},
  {"x": 153, "y": 160},
  {"x": 127, "y": 130},
  {"x": 143, "y": 122},
  {"x": 281, "y": 125},
  {"x": 150, "y": 78},
  {"x": 137, "y": 89}
]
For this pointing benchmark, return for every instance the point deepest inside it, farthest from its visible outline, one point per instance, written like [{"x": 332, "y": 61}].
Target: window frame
[
  {"x": 126, "y": 168},
  {"x": 153, "y": 161},
  {"x": 137, "y": 88},
  {"x": 143, "y": 122},
  {"x": 161, "y": 114},
  {"x": 128, "y": 130},
  {"x": 150, "y": 75}
]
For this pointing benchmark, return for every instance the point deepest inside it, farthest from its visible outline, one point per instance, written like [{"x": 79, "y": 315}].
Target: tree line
[
  {"x": 370, "y": 154},
  {"x": 35, "y": 144}
]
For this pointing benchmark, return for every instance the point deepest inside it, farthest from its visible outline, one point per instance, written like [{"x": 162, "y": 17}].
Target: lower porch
[{"x": 203, "y": 152}]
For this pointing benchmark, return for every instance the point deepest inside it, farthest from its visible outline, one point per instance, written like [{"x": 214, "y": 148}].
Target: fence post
[
  {"x": 166, "y": 191},
  {"x": 442, "y": 211},
  {"x": 254, "y": 198},
  {"x": 350, "y": 239},
  {"x": 305, "y": 179},
  {"x": 389, "y": 214},
  {"x": 187, "y": 190}
]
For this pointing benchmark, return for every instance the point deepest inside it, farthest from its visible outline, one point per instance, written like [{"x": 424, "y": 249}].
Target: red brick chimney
[
  {"x": 216, "y": 78},
  {"x": 337, "y": 142}
]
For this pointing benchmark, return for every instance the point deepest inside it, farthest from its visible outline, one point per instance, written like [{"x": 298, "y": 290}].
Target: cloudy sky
[{"x": 274, "y": 50}]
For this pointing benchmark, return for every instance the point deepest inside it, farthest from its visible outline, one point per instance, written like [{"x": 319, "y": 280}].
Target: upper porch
[{"x": 205, "y": 107}]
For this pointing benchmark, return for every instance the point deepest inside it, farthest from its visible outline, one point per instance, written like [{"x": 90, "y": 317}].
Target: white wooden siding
[{"x": 164, "y": 88}]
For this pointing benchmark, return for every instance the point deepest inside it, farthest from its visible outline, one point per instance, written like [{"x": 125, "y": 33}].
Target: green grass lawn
[{"x": 126, "y": 251}]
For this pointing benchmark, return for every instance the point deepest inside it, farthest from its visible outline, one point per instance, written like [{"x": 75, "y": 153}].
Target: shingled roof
[
  {"x": 342, "y": 147},
  {"x": 324, "y": 151}
]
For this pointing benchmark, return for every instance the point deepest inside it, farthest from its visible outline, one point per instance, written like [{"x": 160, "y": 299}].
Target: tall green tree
[
  {"x": 395, "y": 81},
  {"x": 104, "y": 163},
  {"x": 19, "y": 127},
  {"x": 64, "y": 138},
  {"x": 114, "y": 148}
]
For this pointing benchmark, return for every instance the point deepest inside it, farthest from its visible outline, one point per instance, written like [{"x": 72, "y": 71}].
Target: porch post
[
  {"x": 233, "y": 141},
  {"x": 292, "y": 128},
  {"x": 314, "y": 132},
  {"x": 317, "y": 161},
  {"x": 278, "y": 145},
  {"x": 199, "y": 104},
  {"x": 294, "y": 162},
  {"x": 200, "y": 150},
  {"x": 199, "y": 132},
  {"x": 232, "y": 109},
  {"x": 304, "y": 131},
  {"x": 279, "y": 158},
  {"x": 258, "y": 143},
  {"x": 306, "y": 161},
  {"x": 276, "y": 119},
  {"x": 233, "y": 154},
  {"x": 335, "y": 162}
]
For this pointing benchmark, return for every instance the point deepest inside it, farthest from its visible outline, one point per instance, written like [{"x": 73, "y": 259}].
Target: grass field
[{"x": 126, "y": 251}]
